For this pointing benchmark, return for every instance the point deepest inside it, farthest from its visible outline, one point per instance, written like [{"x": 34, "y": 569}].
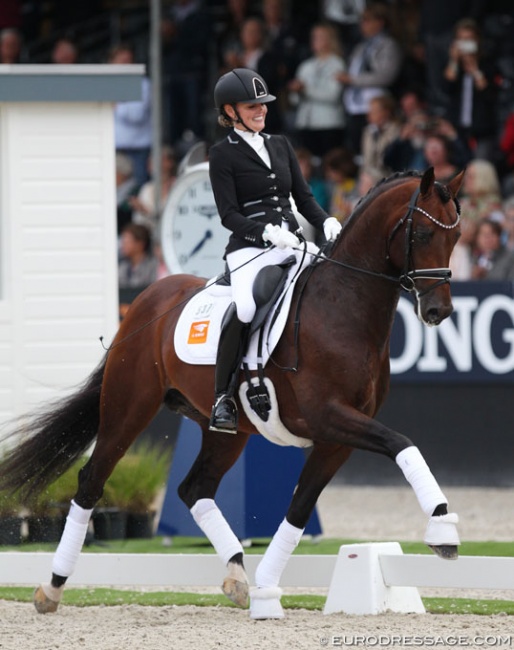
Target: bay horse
[{"x": 400, "y": 236}]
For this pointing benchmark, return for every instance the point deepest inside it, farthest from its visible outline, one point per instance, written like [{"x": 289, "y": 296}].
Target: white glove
[
  {"x": 332, "y": 228},
  {"x": 279, "y": 237}
]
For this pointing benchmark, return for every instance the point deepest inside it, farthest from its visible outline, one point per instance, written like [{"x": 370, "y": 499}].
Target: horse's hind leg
[
  {"x": 218, "y": 453},
  {"x": 126, "y": 409}
]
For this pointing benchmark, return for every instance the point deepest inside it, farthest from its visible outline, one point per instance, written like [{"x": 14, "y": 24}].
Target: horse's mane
[{"x": 382, "y": 185}]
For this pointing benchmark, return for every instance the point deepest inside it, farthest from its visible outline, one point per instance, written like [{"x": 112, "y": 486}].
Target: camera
[{"x": 467, "y": 46}]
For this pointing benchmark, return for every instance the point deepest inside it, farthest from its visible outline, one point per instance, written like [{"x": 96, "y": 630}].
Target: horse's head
[{"x": 421, "y": 242}]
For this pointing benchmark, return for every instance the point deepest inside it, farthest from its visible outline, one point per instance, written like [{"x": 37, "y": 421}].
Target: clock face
[{"x": 193, "y": 238}]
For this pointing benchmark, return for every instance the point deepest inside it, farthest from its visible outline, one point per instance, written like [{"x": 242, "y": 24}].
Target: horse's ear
[
  {"x": 427, "y": 182},
  {"x": 455, "y": 183}
]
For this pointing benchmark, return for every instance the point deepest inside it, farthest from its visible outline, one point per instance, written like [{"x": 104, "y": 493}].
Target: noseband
[{"x": 408, "y": 278}]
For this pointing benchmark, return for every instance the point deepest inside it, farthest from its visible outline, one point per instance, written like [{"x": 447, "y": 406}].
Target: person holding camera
[{"x": 469, "y": 83}]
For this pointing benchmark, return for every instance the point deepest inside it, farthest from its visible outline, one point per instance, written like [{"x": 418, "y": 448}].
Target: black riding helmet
[{"x": 241, "y": 85}]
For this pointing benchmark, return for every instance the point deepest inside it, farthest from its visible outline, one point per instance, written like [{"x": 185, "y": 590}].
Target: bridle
[{"x": 408, "y": 278}]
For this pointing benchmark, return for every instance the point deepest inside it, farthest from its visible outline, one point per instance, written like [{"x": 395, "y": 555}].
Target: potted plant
[
  {"x": 131, "y": 491},
  {"x": 49, "y": 508},
  {"x": 10, "y": 519}
]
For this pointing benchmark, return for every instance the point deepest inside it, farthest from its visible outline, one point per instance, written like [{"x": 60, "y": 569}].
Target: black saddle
[{"x": 267, "y": 287}]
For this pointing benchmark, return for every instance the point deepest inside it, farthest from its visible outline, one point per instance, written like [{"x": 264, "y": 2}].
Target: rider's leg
[
  {"x": 231, "y": 349},
  {"x": 244, "y": 264}
]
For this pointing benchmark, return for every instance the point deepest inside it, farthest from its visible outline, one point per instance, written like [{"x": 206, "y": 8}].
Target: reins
[
  {"x": 221, "y": 276},
  {"x": 406, "y": 280}
]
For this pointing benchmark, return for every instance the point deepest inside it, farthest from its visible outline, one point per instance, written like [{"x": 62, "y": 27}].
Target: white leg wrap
[
  {"x": 418, "y": 474},
  {"x": 209, "y": 518},
  {"x": 72, "y": 540},
  {"x": 442, "y": 530},
  {"x": 277, "y": 554}
]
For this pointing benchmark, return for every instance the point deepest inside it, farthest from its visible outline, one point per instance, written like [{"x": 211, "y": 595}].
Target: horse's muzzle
[{"x": 432, "y": 311}]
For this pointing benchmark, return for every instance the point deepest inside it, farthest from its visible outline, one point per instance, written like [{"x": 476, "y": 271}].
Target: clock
[{"x": 192, "y": 236}]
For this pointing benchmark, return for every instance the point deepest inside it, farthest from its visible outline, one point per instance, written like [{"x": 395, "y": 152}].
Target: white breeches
[{"x": 242, "y": 278}]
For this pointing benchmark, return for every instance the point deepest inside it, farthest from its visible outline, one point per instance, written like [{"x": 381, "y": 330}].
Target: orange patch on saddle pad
[{"x": 198, "y": 331}]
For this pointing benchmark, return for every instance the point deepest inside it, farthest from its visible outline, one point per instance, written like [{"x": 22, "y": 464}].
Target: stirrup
[{"x": 225, "y": 422}]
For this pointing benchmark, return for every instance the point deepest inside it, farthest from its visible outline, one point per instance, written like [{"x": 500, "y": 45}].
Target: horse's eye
[{"x": 423, "y": 236}]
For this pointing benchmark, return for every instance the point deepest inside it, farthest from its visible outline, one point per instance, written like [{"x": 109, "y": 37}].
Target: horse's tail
[{"x": 53, "y": 439}]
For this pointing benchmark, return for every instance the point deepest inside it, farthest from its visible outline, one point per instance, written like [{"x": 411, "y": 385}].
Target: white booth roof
[{"x": 70, "y": 83}]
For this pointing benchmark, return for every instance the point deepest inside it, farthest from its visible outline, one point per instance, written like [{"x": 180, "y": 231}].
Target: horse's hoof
[
  {"x": 446, "y": 551},
  {"x": 265, "y": 603},
  {"x": 42, "y": 603},
  {"x": 236, "y": 591}
]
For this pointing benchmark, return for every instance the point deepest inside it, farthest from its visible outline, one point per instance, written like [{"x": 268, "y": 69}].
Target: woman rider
[{"x": 252, "y": 175}]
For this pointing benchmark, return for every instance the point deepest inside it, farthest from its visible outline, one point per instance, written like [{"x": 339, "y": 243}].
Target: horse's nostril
[{"x": 433, "y": 316}]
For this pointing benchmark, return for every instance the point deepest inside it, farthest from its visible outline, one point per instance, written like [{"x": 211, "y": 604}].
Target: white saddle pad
[{"x": 198, "y": 328}]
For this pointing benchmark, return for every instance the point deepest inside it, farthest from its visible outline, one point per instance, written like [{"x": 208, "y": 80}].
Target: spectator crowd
[{"x": 364, "y": 90}]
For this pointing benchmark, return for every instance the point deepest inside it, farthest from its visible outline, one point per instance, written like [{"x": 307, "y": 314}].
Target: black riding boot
[{"x": 232, "y": 346}]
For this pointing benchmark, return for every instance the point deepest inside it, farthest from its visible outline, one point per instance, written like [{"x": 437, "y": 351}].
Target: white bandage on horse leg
[
  {"x": 418, "y": 474},
  {"x": 277, "y": 554},
  {"x": 442, "y": 530},
  {"x": 209, "y": 518},
  {"x": 72, "y": 540}
]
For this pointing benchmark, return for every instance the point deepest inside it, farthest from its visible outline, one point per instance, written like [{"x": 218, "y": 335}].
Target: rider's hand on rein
[
  {"x": 331, "y": 228},
  {"x": 279, "y": 237}
]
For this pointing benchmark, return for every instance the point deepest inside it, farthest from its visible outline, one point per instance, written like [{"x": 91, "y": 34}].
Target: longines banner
[{"x": 476, "y": 344}]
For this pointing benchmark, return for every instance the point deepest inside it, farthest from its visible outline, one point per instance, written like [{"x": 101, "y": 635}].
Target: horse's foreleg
[
  {"x": 322, "y": 464},
  {"x": 218, "y": 453},
  {"x": 361, "y": 432},
  {"x": 441, "y": 534}
]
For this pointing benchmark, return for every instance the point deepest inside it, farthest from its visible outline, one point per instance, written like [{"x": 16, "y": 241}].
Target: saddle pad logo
[{"x": 198, "y": 332}]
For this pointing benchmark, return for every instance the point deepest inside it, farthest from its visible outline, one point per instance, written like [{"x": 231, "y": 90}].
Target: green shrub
[
  {"x": 55, "y": 498},
  {"x": 137, "y": 479}
]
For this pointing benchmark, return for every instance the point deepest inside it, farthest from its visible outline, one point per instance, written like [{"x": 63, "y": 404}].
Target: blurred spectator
[
  {"x": 317, "y": 184},
  {"x": 186, "y": 37},
  {"x": 137, "y": 268},
  {"x": 316, "y": 92},
  {"x": 340, "y": 172},
  {"x": 373, "y": 66},
  {"x": 437, "y": 152},
  {"x": 407, "y": 151},
  {"x": 493, "y": 260},
  {"x": 381, "y": 130},
  {"x": 253, "y": 53},
  {"x": 228, "y": 40},
  {"x": 481, "y": 190},
  {"x": 283, "y": 43},
  {"x": 411, "y": 102},
  {"x": 65, "y": 52},
  {"x": 10, "y": 46},
  {"x": 507, "y": 148},
  {"x": 133, "y": 120},
  {"x": 461, "y": 259},
  {"x": 404, "y": 21},
  {"x": 10, "y": 14},
  {"x": 471, "y": 88},
  {"x": 508, "y": 222},
  {"x": 127, "y": 188},
  {"x": 144, "y": 203},
  {"x": 437, "y": 21},
  {"x": 346, "y": 16}
]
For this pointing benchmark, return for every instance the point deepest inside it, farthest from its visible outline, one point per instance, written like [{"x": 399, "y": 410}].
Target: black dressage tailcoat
[{"x": 250, "y": 195}]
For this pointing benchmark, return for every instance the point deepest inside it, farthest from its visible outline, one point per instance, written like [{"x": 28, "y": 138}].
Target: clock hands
[
  {"x": 207, "y": 211},
  {"x": 201, "y": 243}
]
